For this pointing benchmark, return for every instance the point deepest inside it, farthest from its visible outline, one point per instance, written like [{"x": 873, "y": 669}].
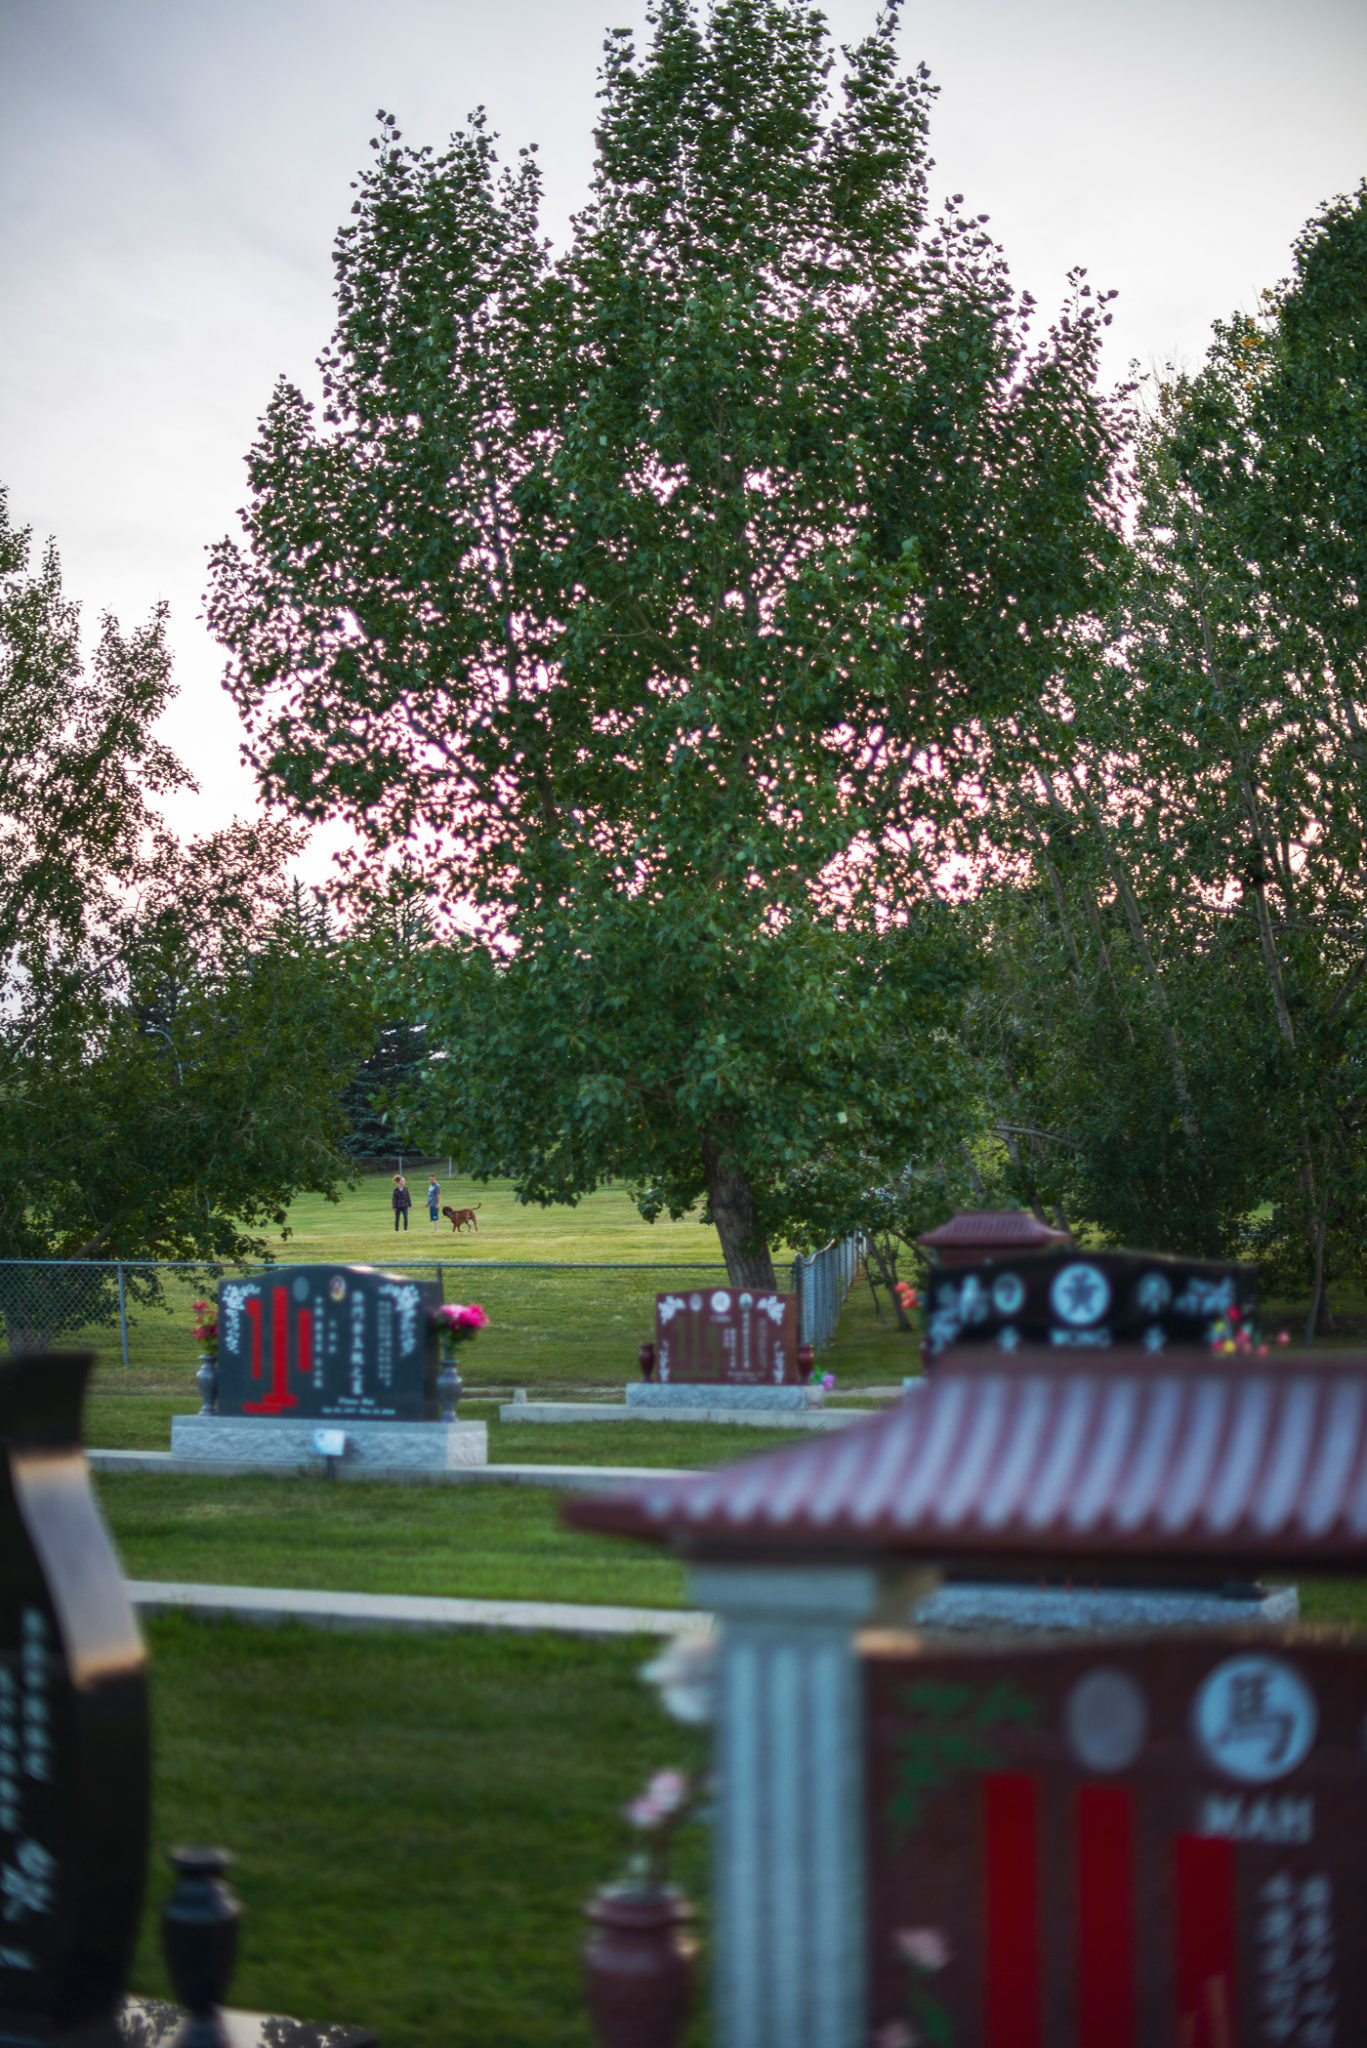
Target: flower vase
[
  {"x": 639, "y": 1965},
  {"x": 206, "y": 1379},
  {"x": 199, "y": 1938},
  {"x": 449, "y": 1389}
]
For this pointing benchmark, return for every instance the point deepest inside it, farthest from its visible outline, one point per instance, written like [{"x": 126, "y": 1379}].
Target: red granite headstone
[
  {"x": 1157, "y": 1844},
  {"x": 726, "y": 1336}
]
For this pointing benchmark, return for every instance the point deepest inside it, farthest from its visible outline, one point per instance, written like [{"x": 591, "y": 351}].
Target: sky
[{"x": 172, "y": 174}]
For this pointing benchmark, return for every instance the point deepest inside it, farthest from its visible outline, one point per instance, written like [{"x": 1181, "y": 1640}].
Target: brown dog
[{"x": 460, "y": 1217}]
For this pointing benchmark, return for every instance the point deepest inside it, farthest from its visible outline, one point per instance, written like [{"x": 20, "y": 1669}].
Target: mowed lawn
[
  {"x": 475, "y": 1542},
  {"x": 604, "y": 1225},
  {"x": 416, "y": 1820}
]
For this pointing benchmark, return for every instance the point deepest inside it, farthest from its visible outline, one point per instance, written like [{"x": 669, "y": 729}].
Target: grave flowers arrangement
[
  {"x": 1230, "y": 1332},
  {"x": 907, "y": 1296},
  {"x": 654, "y": 1815},
  {"x": 204, "y": 1328},
  {"x": 456, "y": 1323}
]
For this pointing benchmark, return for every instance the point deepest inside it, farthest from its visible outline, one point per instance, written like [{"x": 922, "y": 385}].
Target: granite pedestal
[
  {"x": 681, "y": 1395},
  {"x": 279, "y": 1445},
  {"x": 974, "y": 1608},
  {"x": 709, "y": 1411}
]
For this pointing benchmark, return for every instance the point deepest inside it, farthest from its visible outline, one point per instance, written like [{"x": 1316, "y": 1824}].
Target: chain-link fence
[
  {"x": 821, "y": 1283},
  {"x": 573, "y": 1323}
]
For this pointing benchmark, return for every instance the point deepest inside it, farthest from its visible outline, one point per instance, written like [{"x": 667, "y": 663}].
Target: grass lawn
[
  {"x": 475, "y": 1542},
  {"x": 605, "y": 1225},
  {"x": 417, "y": 1820}
]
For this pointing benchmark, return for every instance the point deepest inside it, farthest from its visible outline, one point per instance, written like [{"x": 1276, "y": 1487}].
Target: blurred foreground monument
[
  {"x": 75, "y": 1768},
  {"x": 1132, "y": 1836}
]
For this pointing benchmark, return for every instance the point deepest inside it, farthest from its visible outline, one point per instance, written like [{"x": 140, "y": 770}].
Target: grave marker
[
  {"x": 328, "y": 1344},
  {"x": 726, "y": 1336},
  {"x": 1131, "y": 1845},
  {"x": 1087, "y": 1301},
  {"x": 73, "y": 1726}
]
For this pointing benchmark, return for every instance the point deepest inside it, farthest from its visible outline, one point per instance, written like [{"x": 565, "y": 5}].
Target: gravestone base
[
  {"x": 970, "y": 1607},
  {"x": 678, "y": 1394},
  {"x": 618, "y": 1411},
  {"x": 155, "y": 2022},
  {"x": 277, "y": 1445}
]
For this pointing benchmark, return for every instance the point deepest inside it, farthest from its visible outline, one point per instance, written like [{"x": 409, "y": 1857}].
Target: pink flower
[
  {"x": 925, "y": 1947},
  {"x": 664, "y": 1797},
  {"x": 458, "y": 1319},
  {"x": 896, "y": 2034}
]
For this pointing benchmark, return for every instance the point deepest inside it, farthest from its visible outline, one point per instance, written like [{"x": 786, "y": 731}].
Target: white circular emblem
[
  {"x": 1080, "y": 1294},
  {"x": 721, "y": 1302},
  {"x": 1008, "y": 1292},
  {"x": 1254, "y": 1718},
  {"x": 1106, "y": 1720}
]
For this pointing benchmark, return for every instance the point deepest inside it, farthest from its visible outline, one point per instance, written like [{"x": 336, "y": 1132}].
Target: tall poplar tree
[{"x": 633, "y": 591}]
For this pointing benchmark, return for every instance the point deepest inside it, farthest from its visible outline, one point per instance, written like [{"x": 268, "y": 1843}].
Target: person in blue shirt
[{"x": 434, "y": 1200}]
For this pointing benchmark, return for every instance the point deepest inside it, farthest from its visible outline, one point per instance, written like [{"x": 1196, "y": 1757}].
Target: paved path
[
  {"x": 570, "y": 1478},
  {"x": 407, "y": 1610}
]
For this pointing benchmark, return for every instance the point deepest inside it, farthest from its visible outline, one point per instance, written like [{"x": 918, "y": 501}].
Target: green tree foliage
[
  {"x": 1177, "y": 1012},
  {"x": 638, "y": 588},
  {"x": 174, "y": 1025}
]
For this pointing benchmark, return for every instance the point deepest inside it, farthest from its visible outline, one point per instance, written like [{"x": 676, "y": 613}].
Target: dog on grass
[{"x": 460, "y": 1217}]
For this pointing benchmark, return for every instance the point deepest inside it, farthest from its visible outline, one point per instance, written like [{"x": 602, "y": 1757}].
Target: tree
[
  {"x": 639, "y": 587},
  {"x": 173, "y": 1039},
  {"x": 1178, "y": 1010}
]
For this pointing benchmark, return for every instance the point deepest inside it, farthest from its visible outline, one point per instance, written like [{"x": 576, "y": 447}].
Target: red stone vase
[{"x": 639, "y": 1966}]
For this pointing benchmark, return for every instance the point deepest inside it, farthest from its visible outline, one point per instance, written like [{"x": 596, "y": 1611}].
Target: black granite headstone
[
  {"x": 1088, "y": 1301},
  {"x": 336, "y": 1343},
  {"x": 73, "y": 1726}
]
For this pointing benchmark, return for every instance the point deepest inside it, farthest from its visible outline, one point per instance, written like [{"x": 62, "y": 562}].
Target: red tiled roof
[
  {"x": 1055, "y": 1465},
  {"x": 992, "y": 1230}
]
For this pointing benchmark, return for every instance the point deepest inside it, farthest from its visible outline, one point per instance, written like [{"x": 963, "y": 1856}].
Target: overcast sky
[{"x": 172, "y": 173}]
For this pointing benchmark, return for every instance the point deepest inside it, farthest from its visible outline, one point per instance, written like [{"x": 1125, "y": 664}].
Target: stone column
[{"x": 788, "y": 1884}]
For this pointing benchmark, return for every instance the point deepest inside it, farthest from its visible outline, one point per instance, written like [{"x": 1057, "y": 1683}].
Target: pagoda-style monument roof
[
  {"x": 976, "y": 1234},
  {"x": 1224, "y": 1466}
]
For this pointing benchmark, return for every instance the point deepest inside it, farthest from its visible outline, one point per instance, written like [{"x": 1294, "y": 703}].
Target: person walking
[
  {"x": 434, "y": 1200},
  {"x": 403, "y": 1201}
]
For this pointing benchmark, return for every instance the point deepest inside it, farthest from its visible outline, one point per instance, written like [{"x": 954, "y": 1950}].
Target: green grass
[
  {"x": 605, "y": 1225},
  {"x": 1341, "y": 1603},
  {"x": 472, "y": 1542},
  {"x": 416, "y": 1820}
]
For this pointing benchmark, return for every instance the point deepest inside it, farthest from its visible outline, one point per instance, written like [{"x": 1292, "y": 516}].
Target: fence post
[{"x": 123, "y": 1314}]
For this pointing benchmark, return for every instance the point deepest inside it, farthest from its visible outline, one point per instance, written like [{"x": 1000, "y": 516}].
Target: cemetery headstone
[
  {"x": 73, "y": 1726},
  {"x": 1127, "y": 1845},
  {"x": 728, "y": 1336},
  {"x": 350, "y": 1347},
  {"x": 328, "y": 1343},
  {"x": 724, "y": 1347},
  {"x": 1090, "y": 1301}
]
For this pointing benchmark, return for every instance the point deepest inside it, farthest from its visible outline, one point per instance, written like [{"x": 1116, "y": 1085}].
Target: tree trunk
[{"x": 732, "y": 1202}]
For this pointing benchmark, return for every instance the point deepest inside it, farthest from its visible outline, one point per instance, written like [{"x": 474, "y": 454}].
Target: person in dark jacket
[{"x": 403, "y": 1201}]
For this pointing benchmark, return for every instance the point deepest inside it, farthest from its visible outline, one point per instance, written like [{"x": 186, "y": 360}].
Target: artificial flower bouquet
[{"x": 457, "y": 1322}]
